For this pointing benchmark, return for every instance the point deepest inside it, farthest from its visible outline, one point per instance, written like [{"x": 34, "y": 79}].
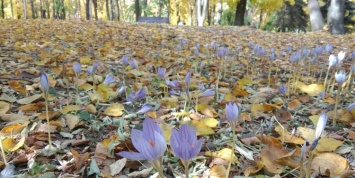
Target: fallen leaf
[
  {"x": 114, "y": 109},
  {"x": 117, "y": 167},
  {"x": 330, "y": 164}
]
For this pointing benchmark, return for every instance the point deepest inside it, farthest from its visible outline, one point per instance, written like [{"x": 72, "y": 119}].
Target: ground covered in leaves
[{"x": 91, "y": 123}]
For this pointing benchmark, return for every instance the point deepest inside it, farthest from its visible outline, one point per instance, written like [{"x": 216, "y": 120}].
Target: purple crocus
[
  {"x": 188, "y": 78},
  {"x": 150, "y": 144},
  {"x": 133, "y": 63},
  {"x": 340, "y": 77},
  {"x": 161, "y": 72},
  {"x": 184, "y": 143},
  {"x": 282, "y": 89},
  {"x": 208, "y": 92},
  {"x": 44, "y": 84},
  {"x": 135, "y": 96},
  {"x": 77, "y": 68},
  {"x": 121, "y": 90},
  {"x": 232, "y": 113},
  {"x": 145, "y": 108},
  {"x": 109, "y": 79},
  {"x": 125, "y": 59},
  {"x": 350, "y": 107}
]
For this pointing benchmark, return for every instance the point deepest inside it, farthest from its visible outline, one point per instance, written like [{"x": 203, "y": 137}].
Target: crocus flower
[
  {"x": 232, "y": 113},
  {"x": 322, "y": 121},
  {"x": 150, "y": 142},
  {"x": 133, "y": 63},
  {"x": 288, "y": 48},
  {"x": 352, "y": 56},
  {"x": 90, "y": 71},
  {"x": 282, "y": 89},
  {"x": 341, "y": 56},
  {"x": 161, "y": 72},
  {"x": 145, "y": 108},
  {"x": 162, "y": 43},
  {"x": 140, "y": 94},
  {"x": 44, "y": 83},
  {"x": 184, "y": 143},
  {"x": 350, "y": 107},
  {"x": 340, "y": 77},
  {"x": 95, "y": 65},
  {"x": 77, "y": 68},
  {"x": 332, "y": 60},
  {"x": 178, "y": 47},
  {"x": 208, "y": 92},
  {"x": 121, "y": 90},
  {"x": 196, "y": 53},
  {"x": 109, "y": 79},
  {"x": 328, "y": 48},
  {"x": 188, "y": 78},
  {"x": 303, "y": 150},
  {"x": 125, "y": 59}
]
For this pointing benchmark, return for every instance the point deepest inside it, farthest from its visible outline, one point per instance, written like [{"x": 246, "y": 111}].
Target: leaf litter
[{"x": 91, "y": 118}]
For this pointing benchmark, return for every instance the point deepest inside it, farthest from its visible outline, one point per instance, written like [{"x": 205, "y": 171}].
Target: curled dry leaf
[{"x": 330, "y": 164}]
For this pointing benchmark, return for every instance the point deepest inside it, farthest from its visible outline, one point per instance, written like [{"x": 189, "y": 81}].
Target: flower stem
[
  {"x": 186, "y": 166},
  {"x": 2, "y": 151},
  {"x": 233, "y": 147},
  {"x": 301, "y": 168},
  {"x": 325, "y": 81},
  {"x": 308, "y": 170},
  {"x": 48, "y": 125},
  {"x": 336, "y": 106}
]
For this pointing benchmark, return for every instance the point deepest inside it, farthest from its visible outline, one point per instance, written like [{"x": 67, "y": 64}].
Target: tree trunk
[
  {"x": 260, "y": 18},
  {"x": 159, "y": 8},
  {"x": 2, "y": 9},
  {"x": 12, "y": 9},
  {"x": 144, "y": 5},
  {"x": 87, "y": 9},
  {"x": 315, "y": 15},
  {"x": 33, "y": 9},
  {"x": 54, "y": 6},
  {"x": 79, "y": 9},
  {"x": 118, "y": 11},
  {"x": 24, "y": 9},
  {"x": 336, "y": 17},
  {"x": 240, "y": 12},
  {"x": 47, "y": 10},
  {"x": 63, "y": 10},
  {"x": 136, "y": 5},
  {"x": 94, "y": 2},
  {"x": 107, "y": 10},
  {"x": 201, "y": 6},
  {"x": 219, "y": 13},
  {"x": 113, "y": 10}
]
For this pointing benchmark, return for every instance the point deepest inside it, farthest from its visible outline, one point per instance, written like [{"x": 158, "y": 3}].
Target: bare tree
[
  {"x": 315, "y": 15},
  {"x": 201, "y": 6},
  {"x": 240, "y": 12},
  {"x": 24, "y": 4},
  {"x": 336, "y": 17},
  {"x": 219, "y": 12}
]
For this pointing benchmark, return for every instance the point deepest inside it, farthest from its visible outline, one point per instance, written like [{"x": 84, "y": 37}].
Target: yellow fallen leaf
[
  {"x": 4, "y": 107},
  {"x": 114, "y": 109},
  {"x": 207, "y": 110},
  {"x": 330, "y": 164},
  {"x": 29, "y": 99},
  {"x": 167, "y": 130},
  {"x": 225, "y": 154},
  {"x": 70, "y": 108},
  {"x": 312, "y": 89},
  {"x": 13, "y": 129},
  {"x": 210, "y": 122},
  {"x": 85, "y": 60},
  {"x": 10, "y": 144},
  {"x": 200, "y": 128},
  {"x": 72, "y": 121},
  {"x": 86, "y": 87},
  {"x": 218, "y": 171}
]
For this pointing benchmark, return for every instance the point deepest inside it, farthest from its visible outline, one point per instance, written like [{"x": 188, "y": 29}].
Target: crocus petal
[
  {"x": 341, "y": 55},
  {"x": 232, "y": 112},
  {"x": 145, "y": 108},
  {"x": 77, "y": 68},
  {"x": 186, "y": 150},
  {"x": 137, "y": 138},
  {"x": 175, "y": 141},
  {"x": 197, "y": 147},
  {"x": 160, "y": 144},
  {"x": 332, "y": 60},
  {"x": 340, "y": 77},
  {"x": 208, "y": 92},
  {"x": 350, "y": 107},
  {"x": 188, "y": 78},
  {"x": 108, "y": 79},
  {"x": 149, "y": 126},
  {"x": 44, "y": 83},
  {"x": 322, "y": 121},
  {"x": 132, "y": 155}
]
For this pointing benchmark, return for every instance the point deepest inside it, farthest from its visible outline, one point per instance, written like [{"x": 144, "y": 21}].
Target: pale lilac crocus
[
  {"x": 121, "y": 90},
  {"x": 135, "y": 96},
  {"x": 145, "y": 108},
  {"x": 340, "y": 77},
  {"x": 109, "y": 79},
  {"x": 188, "y": 78},
  {"x": 208, "y": 92},
  {"x": 232, "y": 113},
  {"x": 322, "y": 121},
  {"x": 332, "y": 60},
  {"x": 161, "y": 72},
  {"x": 133, "y": 63},
  {"x": 150, "y": 144},
  {"x": 341, "y": 56},
  {"x": 350, "y": 107},
  {"x": 185, "y": 145},
  {"x": 77, "y": 68},
  {"x": 282, "y": 89},
  {"x": 125, "y": 59},
  {"x": 44, "y": 84}
]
